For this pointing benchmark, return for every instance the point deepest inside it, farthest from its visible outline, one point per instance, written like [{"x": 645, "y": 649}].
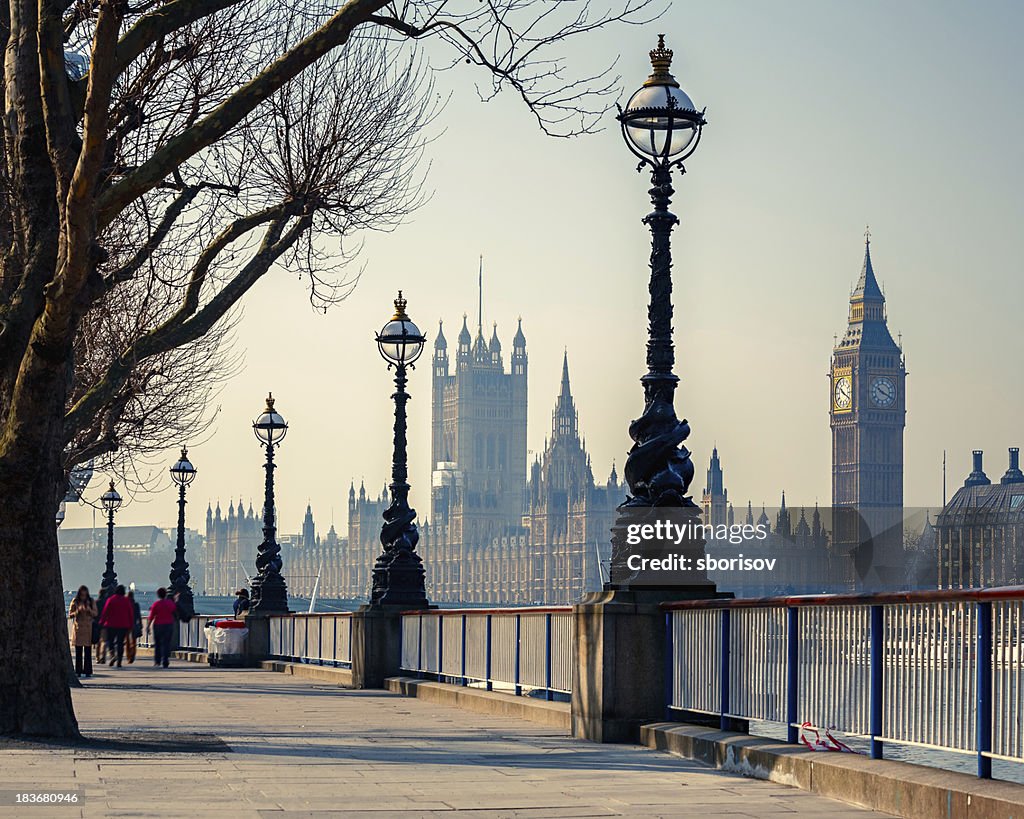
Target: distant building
[
  {"x": 231, "y": 545},
  {"x": 715, "y": 501},
  {"x": 142, "y": 555},
  {"x": 980, "y": 531}
]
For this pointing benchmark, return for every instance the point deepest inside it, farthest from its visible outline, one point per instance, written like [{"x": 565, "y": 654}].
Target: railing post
[
  {"x": 487, "y": 656},
  {"x": 419, "y": 650},
  {"x": 320, "y": 638},
  {"x": 793, "y": 674},
  {"x": 440, "y": 647},
  {"x": 351, "y": 627},
  {"x": 723, "y": 705},
  {"x": 464, "y": 680},
  {"x": 519, "y": 688},
  {"x": 877, "y": 679},
  {"x": 334, "y": 649},
  {"x": 670, "y": 667},
  {"x": 984, "y": 661},
  {"x": 547, "y": 657}
]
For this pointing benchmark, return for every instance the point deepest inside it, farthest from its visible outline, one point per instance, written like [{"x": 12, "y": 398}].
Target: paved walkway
[{"x": 256, "y": 743}]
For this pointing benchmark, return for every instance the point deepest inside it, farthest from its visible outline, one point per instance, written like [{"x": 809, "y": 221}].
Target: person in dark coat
[
  {"x": 242, "y": 602},
  {"x": 118, "y": 618},
  {"x": 99, "y": 636}
]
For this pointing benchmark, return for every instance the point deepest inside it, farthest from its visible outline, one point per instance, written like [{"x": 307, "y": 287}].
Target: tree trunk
[{"x": 34, "y": 650}]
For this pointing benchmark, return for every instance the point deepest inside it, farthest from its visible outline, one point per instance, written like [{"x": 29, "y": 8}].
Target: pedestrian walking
[
  {"x": 242, "y": 602},
  {"x": 132, "y": 638},
  {"x": 83, "y": 613},
  {"x": 162, "y": 619},
  {"x": 99, "y": 634},
  {"x": 117, "y": 618}
]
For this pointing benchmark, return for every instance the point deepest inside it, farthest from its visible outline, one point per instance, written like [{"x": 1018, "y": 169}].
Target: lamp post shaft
[
  {"x": 398, "y": 574},
  {"x": 110, "y": 576},
  {"x": 660, "y": 352},
  {"x": 658, "y": 468},
  {"x": 269, "y": 591},
  {"x": 180, "y": 575}
]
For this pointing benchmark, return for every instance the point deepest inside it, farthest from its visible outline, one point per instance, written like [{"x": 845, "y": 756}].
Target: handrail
[{"x": 936, "y": 596}]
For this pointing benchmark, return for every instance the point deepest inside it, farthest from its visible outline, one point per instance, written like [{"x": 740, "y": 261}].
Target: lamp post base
[{"x": 270, "y": 596}]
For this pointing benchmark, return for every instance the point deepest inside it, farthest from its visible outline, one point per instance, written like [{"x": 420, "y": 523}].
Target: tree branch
[
  {"x": 236, "y": 107},
  {"x": 178, "y": 331}
]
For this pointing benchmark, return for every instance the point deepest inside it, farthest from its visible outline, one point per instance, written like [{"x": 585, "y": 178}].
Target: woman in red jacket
[{"x": 117, "y": 618}]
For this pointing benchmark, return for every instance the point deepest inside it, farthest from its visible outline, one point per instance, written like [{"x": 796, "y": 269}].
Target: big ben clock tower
[{"x": 867, "y": 414}]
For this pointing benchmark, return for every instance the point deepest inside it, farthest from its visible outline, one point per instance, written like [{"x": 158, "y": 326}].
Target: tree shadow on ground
[{"x": 123, "y": 742}]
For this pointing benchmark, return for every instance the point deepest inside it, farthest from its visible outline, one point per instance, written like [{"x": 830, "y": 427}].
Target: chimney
[
  {"x": 1013, "y": 473},
  {"x": 978, "y": 476}
]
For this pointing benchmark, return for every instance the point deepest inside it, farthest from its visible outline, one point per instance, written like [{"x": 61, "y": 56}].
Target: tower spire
[
  {"x": 867, "y": 288},
  {"x": 480, "y": 297}
]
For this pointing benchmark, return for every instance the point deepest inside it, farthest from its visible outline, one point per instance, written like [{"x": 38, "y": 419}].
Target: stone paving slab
[{"x": 293, "y": 749}]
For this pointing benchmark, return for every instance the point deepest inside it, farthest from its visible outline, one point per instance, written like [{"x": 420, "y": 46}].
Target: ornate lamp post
[
  {"x": 269, "y": 591},
  {"x": 398, "y": 576},
  {"x": 662, "y": 127},
  {"x": 111, "y": 501},
  {"x": 182, "y": 473}
]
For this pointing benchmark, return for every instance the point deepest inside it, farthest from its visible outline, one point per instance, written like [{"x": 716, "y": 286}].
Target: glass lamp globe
[
  {"x": 400, "y": 341},
  {"x": 110, "y": 499},
  {"x": 660, "y": 121},
  {"x": 183, "y": 473},
  {"x": 270, "y": 427}
]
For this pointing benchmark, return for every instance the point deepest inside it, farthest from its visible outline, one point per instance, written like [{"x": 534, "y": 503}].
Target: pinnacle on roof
[
  {"x": 464, "y": 337},
  {"x": 440, "y": 343},
  {"x": 519, "y": 340},
  {"x": 763, "y": 519},
  {"x": 565, "y": 392},
  {"x": 495, "y": 344},
  {"x": 867, "y": 288}
]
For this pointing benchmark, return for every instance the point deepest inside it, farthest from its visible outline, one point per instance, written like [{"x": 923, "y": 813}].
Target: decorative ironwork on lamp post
[
  {"x": 269, "y": 591},
  {"x": 182, "y": 473},
  {"x": 661, "y": 127},
  {"x": 398, "y": 575},
  {"x": 111, "y": 501}
]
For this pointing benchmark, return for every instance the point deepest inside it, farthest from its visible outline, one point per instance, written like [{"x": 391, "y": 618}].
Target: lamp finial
[
  {"x": 400, "y": 309},
  {"x": 661, "y": 61}
]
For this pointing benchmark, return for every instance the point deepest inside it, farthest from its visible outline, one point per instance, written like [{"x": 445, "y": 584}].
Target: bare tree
[{"x": 145, "y": 190}]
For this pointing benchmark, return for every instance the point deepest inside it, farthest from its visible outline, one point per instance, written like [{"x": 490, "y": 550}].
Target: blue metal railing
[
  {"x": 518, "y": 650},
  {"x": 939, "y": 670}
]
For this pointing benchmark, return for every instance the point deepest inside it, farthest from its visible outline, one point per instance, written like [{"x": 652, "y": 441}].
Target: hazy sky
[{"x": 824, "y": 116}]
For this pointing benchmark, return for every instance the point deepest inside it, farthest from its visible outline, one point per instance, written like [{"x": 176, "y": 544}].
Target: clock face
[
  {"x": 843, "y": 393},
  {"x": 883, "y": 391}
]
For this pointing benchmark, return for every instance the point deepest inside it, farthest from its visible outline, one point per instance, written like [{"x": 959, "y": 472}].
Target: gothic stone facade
[
  {"x": 231, "y": 543},
  {"x": 496, "y": 533}
]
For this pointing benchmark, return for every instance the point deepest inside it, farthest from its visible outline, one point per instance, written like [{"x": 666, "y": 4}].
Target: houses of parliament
[{"x": 500, "y": 530}]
